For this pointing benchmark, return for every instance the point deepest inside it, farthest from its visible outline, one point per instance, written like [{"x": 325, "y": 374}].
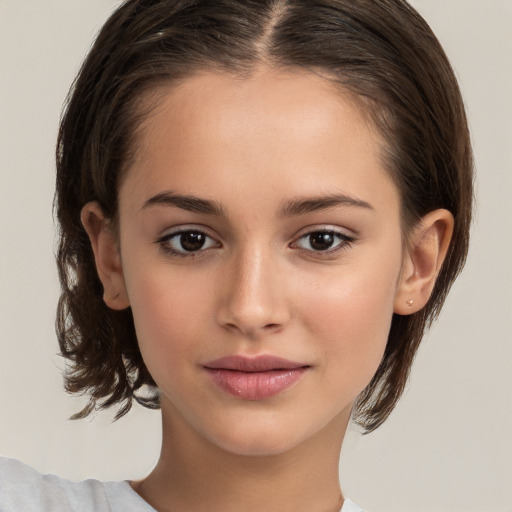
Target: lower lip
[{"x": 255, "y": 385}]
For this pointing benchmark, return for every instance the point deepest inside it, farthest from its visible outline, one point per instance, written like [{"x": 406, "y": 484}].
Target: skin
[{"x": 253, "y": 147}]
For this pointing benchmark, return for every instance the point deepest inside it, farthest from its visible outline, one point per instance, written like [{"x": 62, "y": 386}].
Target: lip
[{"x": 255, "y": 378}]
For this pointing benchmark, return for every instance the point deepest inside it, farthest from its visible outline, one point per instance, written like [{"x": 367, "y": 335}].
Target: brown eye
[
  {"x": 323, "y": 241},
  {"x": 187, "y": 242},
  {"x": 192, "y": 240}
]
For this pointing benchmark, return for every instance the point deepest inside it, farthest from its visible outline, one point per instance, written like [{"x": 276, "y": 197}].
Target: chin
[
  {"x": 262, "y": 438},
  {"x": 256, "y": 446}
]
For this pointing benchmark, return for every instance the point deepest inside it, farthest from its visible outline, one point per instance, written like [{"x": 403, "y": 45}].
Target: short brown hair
[{"x": 380, "y": 50}]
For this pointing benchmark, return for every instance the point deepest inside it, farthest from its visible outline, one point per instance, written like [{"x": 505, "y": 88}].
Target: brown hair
[{"x": 380, "y": 50}]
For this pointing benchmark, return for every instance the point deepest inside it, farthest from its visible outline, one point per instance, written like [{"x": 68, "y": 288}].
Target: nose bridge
[{"x": 255, "y": 297}]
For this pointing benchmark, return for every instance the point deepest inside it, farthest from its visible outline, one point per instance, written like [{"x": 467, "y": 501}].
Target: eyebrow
[
  {"x": 293, "y": 207},
  {"x": 304, "y": 205},
  {"x": 185, "y": 202}
]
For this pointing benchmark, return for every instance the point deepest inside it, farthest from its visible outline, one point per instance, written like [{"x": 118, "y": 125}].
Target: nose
[{"x": 254, "y": 301}]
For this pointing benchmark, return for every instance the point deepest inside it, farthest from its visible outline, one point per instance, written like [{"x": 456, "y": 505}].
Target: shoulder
[
  {"x": 23, "y": 488},
  {"x": 350, "y": 506}
]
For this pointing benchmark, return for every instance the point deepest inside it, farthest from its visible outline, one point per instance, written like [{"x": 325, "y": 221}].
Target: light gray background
[{"x": 447, "y": 447}]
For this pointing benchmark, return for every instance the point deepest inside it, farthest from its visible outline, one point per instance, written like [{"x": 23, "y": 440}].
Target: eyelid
[
  {"x": 168, "y": 233},
  {"x": 315, "y": 228},
  {"x": 164, "y": 240},
  {"x": 346, "y": 238}
]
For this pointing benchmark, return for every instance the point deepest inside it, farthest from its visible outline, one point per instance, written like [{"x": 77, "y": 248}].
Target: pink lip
[{"x": 254, "y": 378}]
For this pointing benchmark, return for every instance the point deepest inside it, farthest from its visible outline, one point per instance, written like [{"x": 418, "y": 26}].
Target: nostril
[{"x": 252, "y": 332}]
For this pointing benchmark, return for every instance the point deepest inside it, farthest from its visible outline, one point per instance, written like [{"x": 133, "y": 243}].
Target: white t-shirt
[{"x": 23, "y": 489}]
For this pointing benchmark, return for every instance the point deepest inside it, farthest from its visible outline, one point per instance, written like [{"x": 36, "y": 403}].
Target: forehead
[
  {"x": 215, "y": 104},
  {"x": 280, "y": 130}
]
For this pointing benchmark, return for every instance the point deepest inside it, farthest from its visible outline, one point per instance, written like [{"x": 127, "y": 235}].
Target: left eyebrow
[
  {"x": 185, "y": 202},
  {"x": 304, "y": 205}
]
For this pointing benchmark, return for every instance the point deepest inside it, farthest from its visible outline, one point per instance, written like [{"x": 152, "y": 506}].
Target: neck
[{"x": 193, "y": 474}]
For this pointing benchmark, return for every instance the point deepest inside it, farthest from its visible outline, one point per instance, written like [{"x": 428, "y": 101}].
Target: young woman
[{"x": 262, "y": 207}]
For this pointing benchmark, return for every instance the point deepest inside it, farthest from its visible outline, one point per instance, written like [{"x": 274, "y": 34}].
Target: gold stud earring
[
  {"x": 113, "y": 297},
  {"x": 410, "y": 302}
]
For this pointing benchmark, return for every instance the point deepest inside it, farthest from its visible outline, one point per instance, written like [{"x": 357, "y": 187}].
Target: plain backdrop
[{"x": 448, "y": 445}]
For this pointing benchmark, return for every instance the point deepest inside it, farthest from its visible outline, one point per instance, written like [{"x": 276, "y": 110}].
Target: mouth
[{"x": 255, "y": 378}]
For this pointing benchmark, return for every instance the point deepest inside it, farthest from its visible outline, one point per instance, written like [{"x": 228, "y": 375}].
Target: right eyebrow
[
  {"x": 185, "y": 202},
  {"x": 305, "y": 205}
]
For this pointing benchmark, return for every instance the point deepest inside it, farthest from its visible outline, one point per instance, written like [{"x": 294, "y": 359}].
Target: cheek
[
  {"x": 170, "y": 313},
  {"x": 350, "y": 316}
]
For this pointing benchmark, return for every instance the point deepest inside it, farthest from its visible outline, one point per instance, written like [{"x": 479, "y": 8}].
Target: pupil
[
  {"x": 192, "y": 241},
  {"x": 321, "y": 241}
]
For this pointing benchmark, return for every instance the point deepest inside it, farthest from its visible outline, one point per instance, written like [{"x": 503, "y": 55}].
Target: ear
[
  {"x": 106, "y": 255},
  {"x": 427, "y": 248}
]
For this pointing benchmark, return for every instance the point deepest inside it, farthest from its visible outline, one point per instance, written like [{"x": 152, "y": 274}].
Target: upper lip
[{"x": 262, "y": 363}]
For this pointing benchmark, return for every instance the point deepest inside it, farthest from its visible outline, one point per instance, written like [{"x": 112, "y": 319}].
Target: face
[{"x": 261, "y": 252}]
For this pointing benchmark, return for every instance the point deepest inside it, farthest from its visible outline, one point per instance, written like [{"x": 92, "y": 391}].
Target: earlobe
[
  {"x": 427, "y": 249},
  {"x": 106, "y": 255}
]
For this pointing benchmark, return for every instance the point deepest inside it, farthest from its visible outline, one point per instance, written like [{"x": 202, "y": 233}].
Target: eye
[
  {"x": 186, "y": 242},
  {"x": 323, "y": 241}
]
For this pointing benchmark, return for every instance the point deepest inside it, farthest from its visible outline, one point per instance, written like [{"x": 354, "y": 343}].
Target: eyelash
[
  {"x": 344, "y": 241},
  {"x": 165, "y": 241}
]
